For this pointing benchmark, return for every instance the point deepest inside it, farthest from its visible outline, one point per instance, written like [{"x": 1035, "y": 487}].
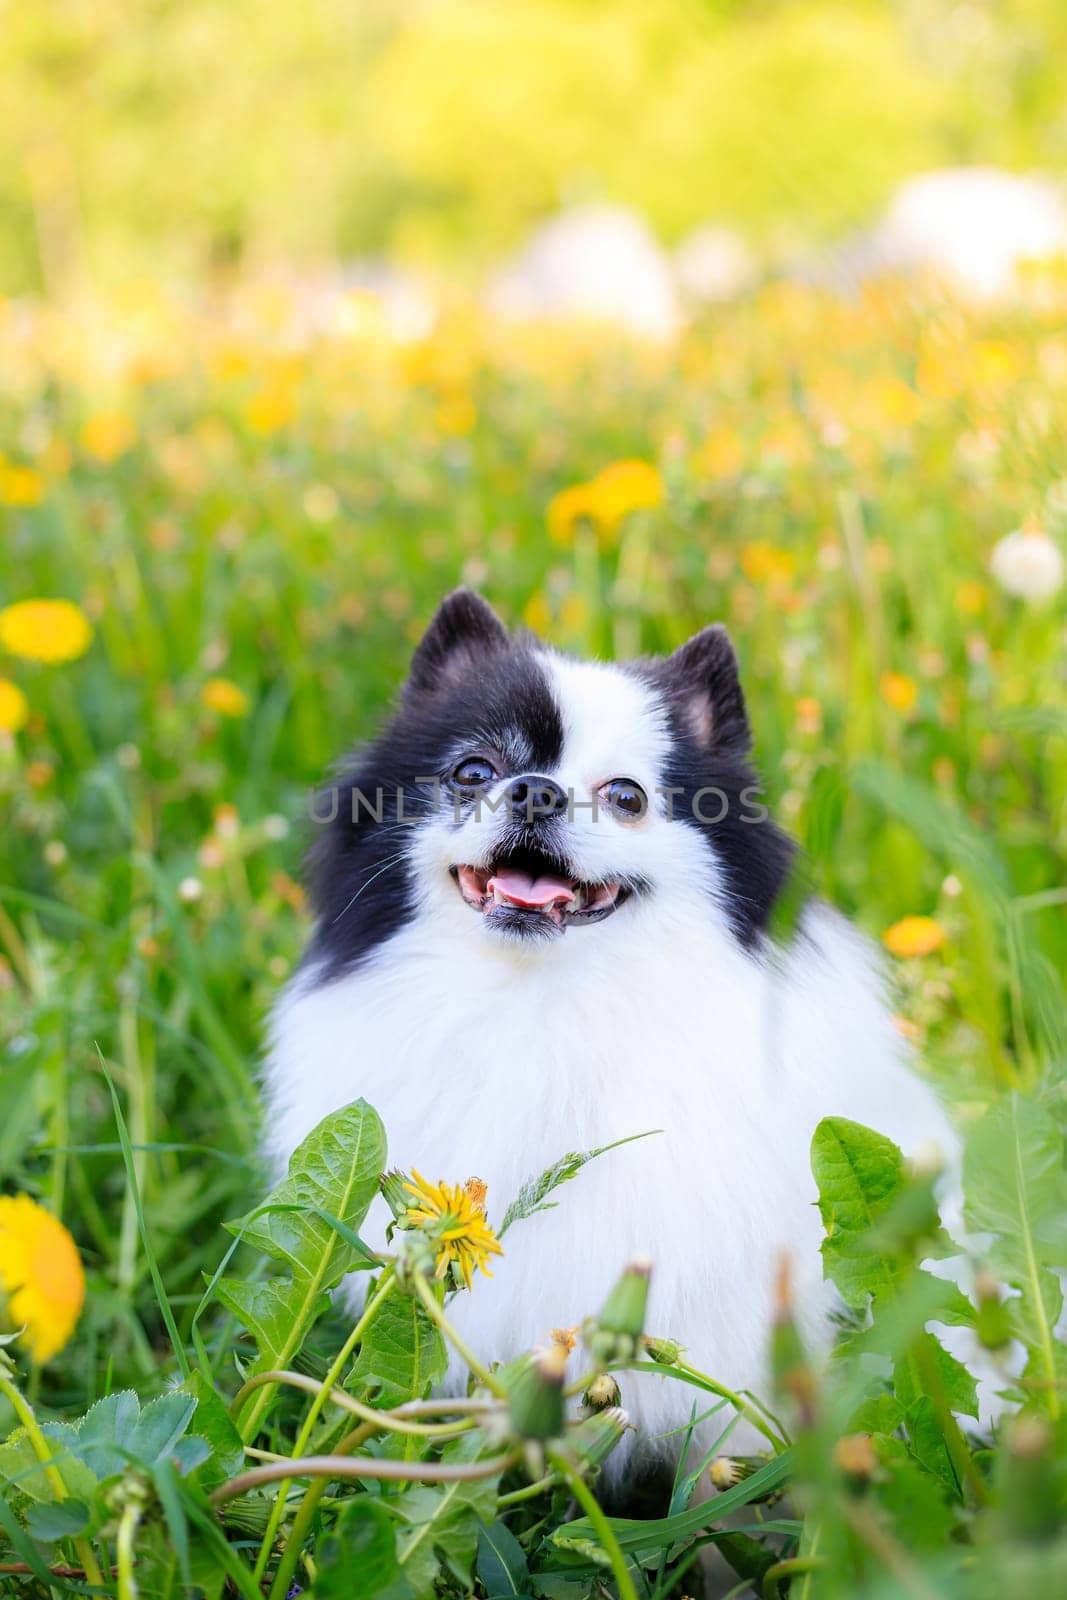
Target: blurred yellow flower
[
  {"x": 894, "y": 402},
  {"x": 763, "y": 562},
  {"x": 42, "y": 1282},
  {"x": 722, "y": 455},
  {"x": 898, "y": 690},
  {"x": 454, "y": 1218},
  {"x": 224, "y": 697},
  {"x": 537, "y": 614},
  {"x": 14, "y": 708},
  {"x": 107, "y": 435},
  {"x": 45, "y": 630},
  {"x": 271, "y": 410},
  {"x": 626, "y": 486},
  {"x": 574, "y": 613},
  {"x": 456, "y": 415},
  {"x": 567, "y": 509},
  {"x": 20, "y": 486},
  {"x": 971, "y": 597},
  {"x": 914, "y": 936},
  {"x": 607, "y": 499}
]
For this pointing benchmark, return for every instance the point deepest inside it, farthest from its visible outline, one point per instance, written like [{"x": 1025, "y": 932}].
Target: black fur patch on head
[
  {"x": 473, "y": 689},
  {"x": 715, "y": 786}
]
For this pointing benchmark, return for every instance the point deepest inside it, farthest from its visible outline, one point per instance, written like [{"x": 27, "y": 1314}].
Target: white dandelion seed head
[{"x": 1028, "y": 564}]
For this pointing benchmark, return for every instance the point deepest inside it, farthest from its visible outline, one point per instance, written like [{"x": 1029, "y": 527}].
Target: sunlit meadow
[{"x": 249, "y": 509}]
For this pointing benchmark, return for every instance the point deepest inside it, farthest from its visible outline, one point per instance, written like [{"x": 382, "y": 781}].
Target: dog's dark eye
[
  {"x": 475, "y": 772},
  {"x": 626, "y": 798}
]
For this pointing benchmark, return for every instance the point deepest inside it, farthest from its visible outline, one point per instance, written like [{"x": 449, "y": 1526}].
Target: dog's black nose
[{"x": 532, "y": 798}]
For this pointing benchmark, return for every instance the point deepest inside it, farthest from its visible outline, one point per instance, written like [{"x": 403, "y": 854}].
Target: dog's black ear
[
  {"x": 463, "y": 628},
  {"x": 704, "y": 682}
]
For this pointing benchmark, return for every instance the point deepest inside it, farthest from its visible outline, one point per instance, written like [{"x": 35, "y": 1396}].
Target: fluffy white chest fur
[{"x": 495, "y": 1060}]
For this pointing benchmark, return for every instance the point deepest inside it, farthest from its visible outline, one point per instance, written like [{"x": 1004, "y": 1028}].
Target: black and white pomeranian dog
[{"x": 544, "y": 905}]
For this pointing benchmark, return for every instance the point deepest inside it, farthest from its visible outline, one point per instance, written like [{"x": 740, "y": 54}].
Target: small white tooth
[{"x": 499, "y": 898}]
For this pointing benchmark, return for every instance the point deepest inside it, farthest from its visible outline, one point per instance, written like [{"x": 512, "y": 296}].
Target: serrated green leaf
[
  {"x": 357, "y": 1558},
  {"x": 533, "y": 1195},
  {"x": 271, "y": 1311},
  {"x": 214, "y": 1423},
  {"x": 116, "y": 1432},
  {"x": 332, "y": 1178},
  {"x": 922, "y": 1517},
  {"x": 441, "y": 1521},
  {"x": 926, "y": 1440},
  {"x": 1015, "y": 1189},
  {"x": 402, "y": 1354},
  {"x": 859, "y": 1174}
]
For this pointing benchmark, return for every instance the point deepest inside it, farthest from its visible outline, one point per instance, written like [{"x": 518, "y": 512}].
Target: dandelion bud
[
  {"x": 535, "y": 1399},
  {"x": 601, "y": 1393},
  {"x": 727, "y": 1471},
  {"x": 393, "y": 1185},
  {"x": 613, "y": 1335},
  {"x": 600, "y": 1433},
  {"x": 665, "y": 1351}
]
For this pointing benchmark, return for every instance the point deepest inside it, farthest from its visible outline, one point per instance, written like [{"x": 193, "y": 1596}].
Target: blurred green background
[{"x": 174, "y": 136}]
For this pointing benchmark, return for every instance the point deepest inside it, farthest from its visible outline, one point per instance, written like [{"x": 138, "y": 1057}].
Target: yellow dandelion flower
[
  {"x": 454, "y": 1217},
  {"x": 537, "y": 613},
  {"x": 271, "y": 410},
  {"x": 914, "y": 936},
  {"x": 567, "y": 509},
  {"x": 971, "y": 597},
  {"x": 20, "y": 486},
  {"x": 763, "y": 562},
  {"x": 566, "y": 1338},
  {"x": 41, "y": 1278},
  {"x": 606, "y": 500},
  {"x": 894, "y": 402},
  {"x": 722, "y": 454},
  {"x": 898, "y": 690},
  {"x": 224, "y": 697},
  {"x": 624, "y": 487},
  {"x": 107, "y": 435},
  {"x": 14, "y": 709},
  {"x": 45, "y": 630}
]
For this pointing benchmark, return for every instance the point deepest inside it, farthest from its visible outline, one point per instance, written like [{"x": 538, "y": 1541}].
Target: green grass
[{"x": 285, "y": 515}]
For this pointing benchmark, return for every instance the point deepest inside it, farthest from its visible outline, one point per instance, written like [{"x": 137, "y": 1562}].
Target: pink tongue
[{"x": 523, "y": 890}]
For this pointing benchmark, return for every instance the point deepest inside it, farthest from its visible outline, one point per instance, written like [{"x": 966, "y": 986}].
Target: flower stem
[
  {"x": 24, "y": 1412},
  {"x": 386, "y": 1284},
  {"x": 436, "y": 1312},
  {"x": 604, "y": 1531},
  {"x": 387, "y": 1421},
  {"x": 124, "y": 1550},
  {"x": 362, "y": 1467}
]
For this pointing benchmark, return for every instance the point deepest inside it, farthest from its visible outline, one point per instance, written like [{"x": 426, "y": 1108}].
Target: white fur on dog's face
[{"x": 614, "y": 727}]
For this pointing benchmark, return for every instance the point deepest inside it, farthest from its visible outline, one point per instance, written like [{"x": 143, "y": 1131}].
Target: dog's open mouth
[{"x": 527, "y": 890}]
